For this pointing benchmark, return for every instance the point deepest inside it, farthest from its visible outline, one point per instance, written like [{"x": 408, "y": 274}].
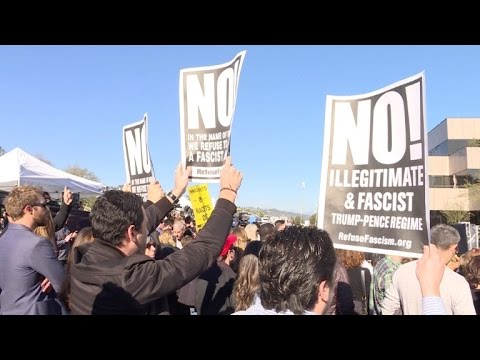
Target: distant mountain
[{"x": 271, "y": 212}]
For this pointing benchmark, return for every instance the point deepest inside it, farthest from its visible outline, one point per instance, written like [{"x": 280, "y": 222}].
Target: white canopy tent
[{"x": 20, "y": 168}]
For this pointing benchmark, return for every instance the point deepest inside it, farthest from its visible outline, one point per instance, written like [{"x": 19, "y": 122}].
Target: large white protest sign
[
  {"x": 374, "y": 181},
  {"x": 207, "y": 103},
  {"x": 138, "y": 165}
]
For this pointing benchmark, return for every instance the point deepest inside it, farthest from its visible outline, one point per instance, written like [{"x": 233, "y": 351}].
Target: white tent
[{"x": 19, "y": 168}]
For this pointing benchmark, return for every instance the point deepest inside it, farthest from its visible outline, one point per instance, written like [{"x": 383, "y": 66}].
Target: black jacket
[{"x": 105, "y": 281}]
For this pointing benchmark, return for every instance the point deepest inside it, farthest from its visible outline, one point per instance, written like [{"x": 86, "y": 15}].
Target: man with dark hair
[
  {"x": 112, "y": 275},
  {"x": 265, "y": 230},
  {"x": 296, "y": 270}
]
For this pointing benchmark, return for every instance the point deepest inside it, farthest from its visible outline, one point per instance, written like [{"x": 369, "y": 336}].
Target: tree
[
  {"x": 82, "y": 172},
  {"x": 87, "y": 203},
  {"x": 456, "y": 215},
  {"x": 296, "y": 220},
  {"x": 2, "y": 151},
  {"x": 313, "y": 219},
  {"x": 43, "y": 158},
  {"x": 473, "y": 143}
]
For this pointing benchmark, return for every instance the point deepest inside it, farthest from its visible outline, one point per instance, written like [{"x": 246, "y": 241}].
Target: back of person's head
[
  {"x": 166, "y": 239},
  {"x": 242, "y": 237},
  {"x": 113, "y": 213},
  {"x": 18, "y": 198},
  {"x": 252, "y": 231},
  {"x": 84, "y": 236},
  {"x": 444, "y": 236},
  {"x": 247, "y": 282},
  {"x": 292, "y": 264},
  {"x": 280, "y": 225},
  {"x": 253, "y": 248},
  {"x": 350, "y": 258},
  {"x": 265, "y": 230},
  {"x": 472, "y": 272},
  {"x": 228, "y": 246}
]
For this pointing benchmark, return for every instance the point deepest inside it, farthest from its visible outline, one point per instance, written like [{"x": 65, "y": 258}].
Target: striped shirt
[{"x": 433, "y": 305}]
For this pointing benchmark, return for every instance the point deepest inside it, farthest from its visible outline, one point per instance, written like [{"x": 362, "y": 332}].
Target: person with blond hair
[
  {"x": 247, "y": 283},
  {"x": 26, "y": 257},
  {"x": 252, "y": 232}
]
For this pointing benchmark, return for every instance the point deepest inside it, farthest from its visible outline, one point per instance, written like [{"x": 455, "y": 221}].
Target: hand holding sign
[
  {"x": 181, "y": 179},
  {"x": 230, "y": 180},
  {"x": 155, "y": 191},
  {"x": 429, "y": 271},
  {"x": 127, "y": 187}
]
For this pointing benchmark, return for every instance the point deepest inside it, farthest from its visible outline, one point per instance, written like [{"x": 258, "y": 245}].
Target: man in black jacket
[{"x": 112, "y": 275}]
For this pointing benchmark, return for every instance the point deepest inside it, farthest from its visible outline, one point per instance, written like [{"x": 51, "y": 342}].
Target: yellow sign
[{"x": 201, "y": 204}]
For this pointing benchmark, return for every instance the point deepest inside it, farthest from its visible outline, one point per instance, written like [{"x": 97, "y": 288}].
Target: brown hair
[
  {"x": 19, "y": 197},
  {"x": 247, "y": 282},
  {"x": 350, "y": 258},
  {"x": 472, "y": 272},
  {"x": 84, "y": 236}
]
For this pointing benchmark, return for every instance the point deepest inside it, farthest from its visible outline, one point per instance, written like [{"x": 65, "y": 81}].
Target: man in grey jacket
[
  {"x": 112, "y": 275},
  {"x": 26, "y": 260}
]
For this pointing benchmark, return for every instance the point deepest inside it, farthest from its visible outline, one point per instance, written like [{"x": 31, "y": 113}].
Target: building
[{"x": 453, "y": 162}]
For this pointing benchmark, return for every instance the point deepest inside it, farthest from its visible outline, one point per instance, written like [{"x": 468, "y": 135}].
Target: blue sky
[{"x": 69, "y": 104}]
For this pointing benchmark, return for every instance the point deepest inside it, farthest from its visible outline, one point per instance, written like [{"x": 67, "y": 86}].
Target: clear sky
[{"x": 69, "y": 104}]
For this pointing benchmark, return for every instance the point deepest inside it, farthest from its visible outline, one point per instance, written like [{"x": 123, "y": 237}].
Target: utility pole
[{"x": 301, "y": 202}]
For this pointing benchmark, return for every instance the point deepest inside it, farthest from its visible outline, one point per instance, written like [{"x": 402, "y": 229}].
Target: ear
[
  {"x": 324, "y": 291},
  {"x": 130, "y": 234},
  {"x": 28, "y": 209}
]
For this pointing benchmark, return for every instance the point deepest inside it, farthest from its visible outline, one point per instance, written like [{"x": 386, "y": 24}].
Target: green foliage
[
  {"x": 82, "y": 172},
  {"x": 297, "y": 220},
  {"x": 87, "y": 203},
  {"x": 456, "y": 216},
  {"x": 313, "y": 219},
  {"x": 473, "y": 143},
  {"x": 456, "y": 213}
]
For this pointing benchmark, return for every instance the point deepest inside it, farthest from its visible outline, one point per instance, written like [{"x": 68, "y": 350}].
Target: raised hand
[
  {"x": 127, "y": 187},
  {"x": 430, "y": 269},
  {"x": 181, "y": 179},
  {"x": 67, "y": 196}
]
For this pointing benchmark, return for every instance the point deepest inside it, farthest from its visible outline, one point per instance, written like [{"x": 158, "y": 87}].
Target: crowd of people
[{"x": 148, "y": 259}]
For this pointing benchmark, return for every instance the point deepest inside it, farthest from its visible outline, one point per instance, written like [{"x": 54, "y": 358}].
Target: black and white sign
[
  {"x": 207, "y": 103},
  {"x": 374, "y": 181},
  {"x": 138, "y": 165}
]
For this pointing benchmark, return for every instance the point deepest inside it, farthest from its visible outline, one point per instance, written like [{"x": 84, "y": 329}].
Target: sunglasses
[{"x": 44, "y": 205}]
